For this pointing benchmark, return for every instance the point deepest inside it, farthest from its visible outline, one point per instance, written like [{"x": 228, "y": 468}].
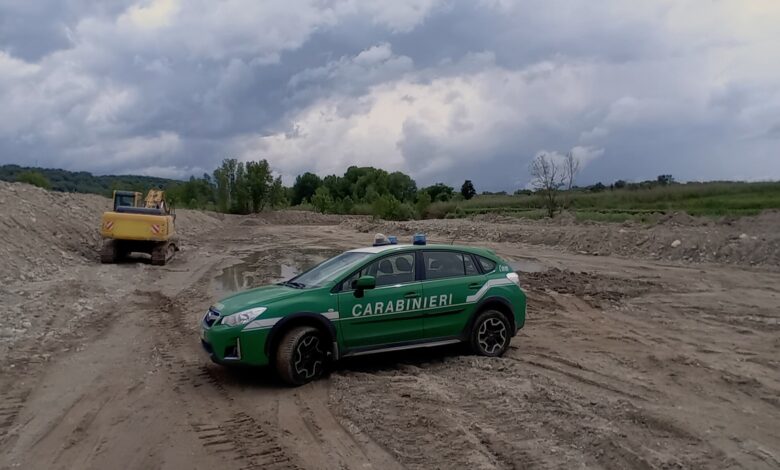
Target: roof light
[
  {"x": 380, "y": 240},
  {"x": 392, "y": 239},
  {"x": 418, "y": 239}
]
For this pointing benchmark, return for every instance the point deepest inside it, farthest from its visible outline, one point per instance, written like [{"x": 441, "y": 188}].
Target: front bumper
[{"x": 230, "y": 345}]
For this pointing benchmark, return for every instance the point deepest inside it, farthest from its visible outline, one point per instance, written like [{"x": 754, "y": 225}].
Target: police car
[{"x": 386, "y": 297}]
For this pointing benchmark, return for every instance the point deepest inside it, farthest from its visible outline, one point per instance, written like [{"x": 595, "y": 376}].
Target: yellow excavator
[{"x": 139, "y": 226}]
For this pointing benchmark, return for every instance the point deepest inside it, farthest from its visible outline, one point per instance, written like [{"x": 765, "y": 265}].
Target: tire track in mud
[
  {"x": 253, "y": 430},
  {"x": 219, "y": 423},
  {"x": 11, "y": 403}
]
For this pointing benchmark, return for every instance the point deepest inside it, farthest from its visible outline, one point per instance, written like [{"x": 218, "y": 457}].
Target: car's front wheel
[
  {"x": 301, "y": 355},
  {"x": 490, "y": 334}
]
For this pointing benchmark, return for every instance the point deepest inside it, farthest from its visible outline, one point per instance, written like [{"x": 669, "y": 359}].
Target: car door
[
  {"x": 386, "y": 314},
  {"x": 450, "y": 277}
]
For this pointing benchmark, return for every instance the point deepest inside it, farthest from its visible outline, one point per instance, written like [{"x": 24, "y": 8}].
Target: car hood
[{"x": 259, "y": 297}]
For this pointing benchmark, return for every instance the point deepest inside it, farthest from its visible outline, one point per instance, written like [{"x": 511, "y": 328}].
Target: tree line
[
  {"x": 242, "y": 188},
  {"x": 249, "y": 187}
]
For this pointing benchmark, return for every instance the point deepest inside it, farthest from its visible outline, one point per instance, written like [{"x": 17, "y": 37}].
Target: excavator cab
[{"x": 126, "y": 199}]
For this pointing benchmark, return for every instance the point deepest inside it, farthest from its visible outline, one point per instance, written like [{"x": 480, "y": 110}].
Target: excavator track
[
  {"x": 108, "y": 253},
  {"x": 163, "y": 253}
]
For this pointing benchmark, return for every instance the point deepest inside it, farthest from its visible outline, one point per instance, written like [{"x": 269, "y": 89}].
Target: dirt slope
[
  {"x": 744, "y": 241},
  {"x": 45, "y": 231}
]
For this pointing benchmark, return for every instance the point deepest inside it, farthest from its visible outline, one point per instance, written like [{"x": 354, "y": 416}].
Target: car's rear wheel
[
  {"x": 490, "y": 334},
  {"x": 301, "y": 355}
]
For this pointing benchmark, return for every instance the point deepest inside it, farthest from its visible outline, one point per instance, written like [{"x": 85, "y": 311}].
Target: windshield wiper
[{"x": 297, "y": 285}]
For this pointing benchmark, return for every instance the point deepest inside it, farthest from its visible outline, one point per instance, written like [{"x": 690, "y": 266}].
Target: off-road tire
[
  {"x": 490, "y": 335},
  {"x": 108, "y": 252},
  {"x": 301, "y": 355}
]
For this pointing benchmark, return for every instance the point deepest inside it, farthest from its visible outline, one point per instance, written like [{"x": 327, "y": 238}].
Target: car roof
[{"x": 390, "y": 248}]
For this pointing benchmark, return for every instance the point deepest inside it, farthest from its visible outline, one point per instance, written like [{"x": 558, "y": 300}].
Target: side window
[
  {"x": 487, "y": 265},
  {"x": 443, "y": 264},
  {"x": 396, "y": 269},
  {"x": 347, "y": 284},
  {"x": 468, "y": 261}
]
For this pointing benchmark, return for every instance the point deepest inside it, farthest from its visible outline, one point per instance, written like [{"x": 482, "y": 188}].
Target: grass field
[{"x": 706, "y": 199}]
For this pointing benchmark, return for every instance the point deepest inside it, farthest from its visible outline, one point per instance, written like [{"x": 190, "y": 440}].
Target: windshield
[
  {"x": 124, "y": 200},
  {"x": 327, "y": 270}
]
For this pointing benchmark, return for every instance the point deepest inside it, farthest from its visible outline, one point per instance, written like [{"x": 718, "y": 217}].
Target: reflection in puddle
[
  {"x": 268, "y": 267},
  {"x": 528, "y": 265}
]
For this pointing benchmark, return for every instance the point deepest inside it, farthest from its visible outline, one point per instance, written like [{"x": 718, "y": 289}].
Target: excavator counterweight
[{"x": 134, "y": 226}]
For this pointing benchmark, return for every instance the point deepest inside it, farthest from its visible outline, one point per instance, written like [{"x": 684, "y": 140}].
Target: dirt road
[{"x": 623, "y": 364}]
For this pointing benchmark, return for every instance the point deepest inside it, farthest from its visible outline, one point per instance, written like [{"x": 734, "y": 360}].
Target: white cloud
[{"x": 439, "y": 89}]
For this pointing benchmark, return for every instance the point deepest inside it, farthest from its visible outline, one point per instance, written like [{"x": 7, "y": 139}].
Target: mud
[{"x": 625, "y": 362}]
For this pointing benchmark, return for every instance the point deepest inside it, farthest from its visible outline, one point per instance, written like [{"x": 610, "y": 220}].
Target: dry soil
[{"x": 627, "y": 360}]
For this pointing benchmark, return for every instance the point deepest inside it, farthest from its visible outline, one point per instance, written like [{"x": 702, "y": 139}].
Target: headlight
[{"x": 242, "y": 318}]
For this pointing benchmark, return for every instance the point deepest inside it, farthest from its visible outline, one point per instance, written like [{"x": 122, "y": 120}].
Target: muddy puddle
[{"x": 268, "y": 267}]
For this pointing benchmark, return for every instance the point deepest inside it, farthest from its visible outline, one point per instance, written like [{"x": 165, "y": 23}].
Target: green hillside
[{"x": 85, "y": 182}]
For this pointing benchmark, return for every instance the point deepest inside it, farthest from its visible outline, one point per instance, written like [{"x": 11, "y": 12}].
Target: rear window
[
  {"x": 444, "y": 264},
  {"x": 487, "y": 264}
]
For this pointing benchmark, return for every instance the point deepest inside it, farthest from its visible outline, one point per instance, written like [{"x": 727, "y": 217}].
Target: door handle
[
  {"x": 410, "y": 295},
  {"x": 475, "y": 285}
]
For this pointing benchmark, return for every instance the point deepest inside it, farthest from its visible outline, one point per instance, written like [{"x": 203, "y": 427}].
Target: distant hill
[{"x": 85, "y": 182}]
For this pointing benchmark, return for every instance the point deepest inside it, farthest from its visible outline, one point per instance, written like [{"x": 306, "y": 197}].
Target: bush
[
  {"x": 34, "y": 178},
  {"x": 389, "y": 208},
  {"x": 438, "y": 210},
  {"x": 458, "y": 213}
]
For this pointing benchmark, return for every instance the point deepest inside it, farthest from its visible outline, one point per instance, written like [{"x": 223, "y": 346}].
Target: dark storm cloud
[
  {"x": 446, "y": 90},
  {"x": 32, "y": 29}
]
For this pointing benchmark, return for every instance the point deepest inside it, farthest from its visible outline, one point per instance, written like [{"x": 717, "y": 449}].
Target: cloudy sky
[{"x": 442, "y": 89}]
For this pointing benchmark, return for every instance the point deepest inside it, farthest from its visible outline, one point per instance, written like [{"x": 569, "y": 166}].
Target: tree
[
  {"x": 467, "y": 190},
  {"x": 322, "y": 200},
  {"x": 278, "y": 195},
  {"x": 402, "y": 186},
  {"x": 304, "y": 187},
  {"x": 240, "y": 191},
  {"x": 620, "y": 184},
  {"x": 34, "y": 178},
  {"x": 547, "y": 180},
  {"x": 259, "y": 182},
  {"x": 225, "y": 180},
  {"x": 440, "y": 192},
  {"x": 571, "y": 166},
  {"x": 665, "y": 180},
  {"x": 423, "y": 202}
]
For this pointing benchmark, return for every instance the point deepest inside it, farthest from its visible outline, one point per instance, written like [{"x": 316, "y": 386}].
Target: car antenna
[{"x": 453, "y": 240}]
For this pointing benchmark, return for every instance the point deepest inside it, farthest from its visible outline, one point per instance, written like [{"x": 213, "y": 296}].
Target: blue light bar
[
  {"x": 418, "y": 239},
  {"x": 392, "y": 239}
]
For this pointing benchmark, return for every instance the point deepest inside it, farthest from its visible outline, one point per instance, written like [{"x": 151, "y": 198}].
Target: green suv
[{"x": 369, "y": 300}]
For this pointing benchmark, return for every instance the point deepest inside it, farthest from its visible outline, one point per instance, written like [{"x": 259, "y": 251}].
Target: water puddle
[
  {"x": 268, "y": 267},
  {"x": 528, "y": 265}
]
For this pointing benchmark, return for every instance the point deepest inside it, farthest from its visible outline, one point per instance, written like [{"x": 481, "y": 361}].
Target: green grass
[{"x": 700, "y": 199}]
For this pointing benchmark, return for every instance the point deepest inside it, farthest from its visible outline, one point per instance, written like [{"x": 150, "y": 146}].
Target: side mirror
[{"x": 366, "y": 282}]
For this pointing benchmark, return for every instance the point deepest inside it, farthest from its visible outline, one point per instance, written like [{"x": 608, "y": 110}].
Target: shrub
[
  {"x": 389, "y": 208},
  {"x": 34, "y": 178}
]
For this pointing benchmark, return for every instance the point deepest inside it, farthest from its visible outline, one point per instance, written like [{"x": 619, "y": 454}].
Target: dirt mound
[
  {"x": 681, "y": 219},
  {"x": 44, "y": 231},
  {"x": 746, "y": 240},
  {"x": 293, "y": 217}
]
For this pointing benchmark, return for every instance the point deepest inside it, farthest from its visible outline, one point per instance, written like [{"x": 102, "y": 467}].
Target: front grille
[{"x": 210, "y": 318}]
